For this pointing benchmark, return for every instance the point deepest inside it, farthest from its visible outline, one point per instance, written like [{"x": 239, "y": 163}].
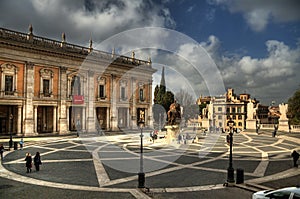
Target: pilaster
[
  {"x": 114, "y": 117},
  {"x": 91, "y": 127},
  {"x": 29, "y": 93},
  {"x": 133, "y": 112},
  {"x": 62, "y": 120}
]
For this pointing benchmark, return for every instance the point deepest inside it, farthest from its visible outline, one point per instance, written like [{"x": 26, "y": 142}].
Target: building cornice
[{"x": 14, "y": 39}]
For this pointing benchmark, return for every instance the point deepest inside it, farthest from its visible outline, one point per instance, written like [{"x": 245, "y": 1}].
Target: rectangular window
[
  {"x": 228, "y": 110},
  {"x": 219, "y": 117},
  {"x": 123, "y": 97},
  {"x": 234, "y": 117},
  {"x": 240, "y": 117},
  {"x": 101, "y": 91},
  {"x": 219, "y": 109},
  {"x": 141, "y": 94},
  {"x": 239, "y": 109},
  {"x": 233, "y": 110},
  {"x": 46, "y": 87},
  {"x": 76, "y": 86},
  {"x": 8, "y": 84}
]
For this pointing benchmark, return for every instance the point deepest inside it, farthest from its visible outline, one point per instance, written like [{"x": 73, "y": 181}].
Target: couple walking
[{"x": 37, "y": 161}]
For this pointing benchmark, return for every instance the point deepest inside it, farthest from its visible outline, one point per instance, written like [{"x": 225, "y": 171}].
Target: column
[
  {"x": 62, "y": 120},
  {"x": 84, "y": 119},
  {"x": 19, "y": 122},
  {"x": 35, "y": 120},
  {"x": 54, "y": 118},
  {"x": 107, "y": 118},
  {"x": 29, "y": 93}
]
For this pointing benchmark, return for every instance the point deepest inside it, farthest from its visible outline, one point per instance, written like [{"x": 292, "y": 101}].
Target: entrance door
[
  {"x": 122, "y": 117},
  {"x": 75, "y": 118},
  {"x": 101, "y": 116},
  {"x": 3, "y": 129},
  {"x": 45, "y": 119}
]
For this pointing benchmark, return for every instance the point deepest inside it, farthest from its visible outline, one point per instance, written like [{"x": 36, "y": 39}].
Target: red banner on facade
[{"x": 78, "y": 99}]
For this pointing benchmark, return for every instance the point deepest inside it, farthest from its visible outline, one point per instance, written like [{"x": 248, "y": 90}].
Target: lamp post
[
  {"x": 257, "y": 126},
  {"x": 10, "y": 130},
  {"x": 141, "y": 174},
  {"x": 230, "y": 169}
]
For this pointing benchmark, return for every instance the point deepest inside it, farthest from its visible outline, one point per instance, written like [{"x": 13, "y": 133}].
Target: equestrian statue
[{"x": 174, "y": 113}]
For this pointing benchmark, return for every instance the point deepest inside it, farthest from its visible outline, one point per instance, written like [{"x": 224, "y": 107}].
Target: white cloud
[
  {"x": 248, "y": 65},
  {"x": 258, "y": 14},
  {"x": 257, "y": 19},
  {"x": 275, "y": 75}
]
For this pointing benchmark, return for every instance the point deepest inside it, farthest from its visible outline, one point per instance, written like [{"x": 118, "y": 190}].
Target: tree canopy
[
  {"x": 164, "y": 99},
  {"x": 187, "y": 101},
  {"x": 294, "y": 108}
]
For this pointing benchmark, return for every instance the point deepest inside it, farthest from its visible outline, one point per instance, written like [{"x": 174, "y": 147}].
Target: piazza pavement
[{"x": 106, "y": 166}]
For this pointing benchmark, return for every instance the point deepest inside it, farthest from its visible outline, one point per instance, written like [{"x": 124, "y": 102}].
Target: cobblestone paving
[{"x": 109, "y": 164}]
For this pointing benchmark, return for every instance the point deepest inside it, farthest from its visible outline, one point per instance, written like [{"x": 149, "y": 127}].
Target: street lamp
[
  {"x": 230, "y": 169},
  {"x": 10, "y": 130},
  {"x": 141, "y": 174}
]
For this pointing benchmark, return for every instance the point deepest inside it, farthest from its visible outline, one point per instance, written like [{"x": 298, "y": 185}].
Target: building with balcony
[
  {"x": 50, "y": 86},
  {"x": 224, "y": 108}
]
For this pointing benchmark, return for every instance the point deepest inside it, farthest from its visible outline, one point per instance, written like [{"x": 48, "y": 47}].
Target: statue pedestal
[
  {"x": 172, "y": 133},
  {"x": 205, "y": 123},
  {"x": 250, "y": 124},
  {"x": 283, "y": 125}
]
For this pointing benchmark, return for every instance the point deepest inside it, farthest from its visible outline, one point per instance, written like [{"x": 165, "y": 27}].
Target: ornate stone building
[
  {"x": 224, "y": 108},
  {"x": 49, "y": 86}
]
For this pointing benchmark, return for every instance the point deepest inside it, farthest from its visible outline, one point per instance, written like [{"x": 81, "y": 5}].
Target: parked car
[{"x": 284, "y": 193}]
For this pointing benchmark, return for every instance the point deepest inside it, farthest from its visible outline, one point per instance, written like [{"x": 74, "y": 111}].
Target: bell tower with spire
[{"x": 163, "y": 81}]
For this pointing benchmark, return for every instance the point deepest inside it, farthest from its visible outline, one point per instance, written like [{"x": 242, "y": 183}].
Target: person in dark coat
[
  {"x": 295, "y": 156},
  {"x": 28, "y": 160},
  {"x": 37, "y": 161},
  {"x": 1, "y": 151}
]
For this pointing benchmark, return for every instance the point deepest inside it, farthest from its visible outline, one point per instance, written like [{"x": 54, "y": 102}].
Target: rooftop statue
[{"x": 174, "y": 113}]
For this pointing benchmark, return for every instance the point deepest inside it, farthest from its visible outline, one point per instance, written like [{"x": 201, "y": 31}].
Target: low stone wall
[{"x": 295, "y": 128}]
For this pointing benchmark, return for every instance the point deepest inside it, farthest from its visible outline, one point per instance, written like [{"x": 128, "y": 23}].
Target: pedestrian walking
[
  {"x": 28, "y": 160},
  {"x": 179, "y": 139},
  {"x": 295, "y": 156},
  {"x": 21, "y": 143},
  {"x": 1, "y": 151},
  {"x": 37, "y": 161}
]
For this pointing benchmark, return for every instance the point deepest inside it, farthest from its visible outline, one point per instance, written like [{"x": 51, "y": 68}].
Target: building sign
[{"x": 78, "y": 99}]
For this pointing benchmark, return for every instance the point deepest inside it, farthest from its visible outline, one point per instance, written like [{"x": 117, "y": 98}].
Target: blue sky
[{"x": 254, "y": 44}]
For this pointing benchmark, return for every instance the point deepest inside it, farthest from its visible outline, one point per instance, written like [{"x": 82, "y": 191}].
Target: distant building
[{"x": 224, "y": 108}]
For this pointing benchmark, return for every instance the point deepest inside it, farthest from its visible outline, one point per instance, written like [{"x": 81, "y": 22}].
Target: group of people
[
  {"x": 36, "y": 160},
  {"x": 183, "y": 138}
]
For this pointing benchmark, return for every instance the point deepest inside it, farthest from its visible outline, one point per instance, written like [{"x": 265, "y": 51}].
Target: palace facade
[{"x": 50, "y": 86}]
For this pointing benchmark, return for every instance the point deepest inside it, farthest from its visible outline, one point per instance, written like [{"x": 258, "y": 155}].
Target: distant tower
[{"x": 163, "y": 81}]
